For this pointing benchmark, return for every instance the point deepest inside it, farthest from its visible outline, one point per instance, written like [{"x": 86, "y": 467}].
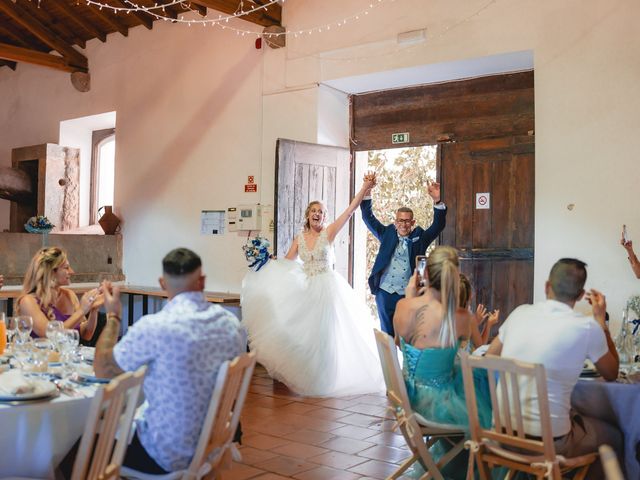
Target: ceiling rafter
[
  {"x": 7, "y": 30},
  {"x": 39, "y": 12},
  {"x": 266, "y": 18},
  {"x": 12, "y": 53},
  {"x": 111, "y": 19},
  {"x": 72, "y": 57},
  {"x": 144, "y": 18},
  {"x": 86, "y": 25},
  {"x": 8, "y": 63}
]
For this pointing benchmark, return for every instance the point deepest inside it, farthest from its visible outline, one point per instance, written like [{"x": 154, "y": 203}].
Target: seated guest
[
  {"x": 183, "y": 346},
  {"x": 550, "y": 332},
  {"x": 631, "y": 255},
  {"x": 430, "y": 327},
  {"x": 482, "y": 315},
  {"x": 45, "y": 298}
]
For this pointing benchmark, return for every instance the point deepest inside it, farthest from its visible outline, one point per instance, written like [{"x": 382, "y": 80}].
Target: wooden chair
[
  {"x": 418, "y": 432},
  {"x": 612, "y": 470},
  {"x": 507, "y": 444},
  {"x": 111, "y": 412},
  {"x": 215, "y": 448}
]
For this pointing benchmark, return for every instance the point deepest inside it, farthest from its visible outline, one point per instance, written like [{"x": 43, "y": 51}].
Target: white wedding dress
[{"x": 308, "y": 328}]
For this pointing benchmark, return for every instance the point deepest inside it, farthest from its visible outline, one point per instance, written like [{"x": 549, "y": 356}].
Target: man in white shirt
[{"x": 553, "y": 334}]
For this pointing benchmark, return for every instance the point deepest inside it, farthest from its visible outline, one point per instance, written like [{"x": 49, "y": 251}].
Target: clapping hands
[
  {"x": 483, "y": 314},
  {"x": 598, "y": 304}
]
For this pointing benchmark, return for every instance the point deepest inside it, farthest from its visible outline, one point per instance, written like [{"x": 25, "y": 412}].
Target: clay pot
[{"x": 109, "y": 221}]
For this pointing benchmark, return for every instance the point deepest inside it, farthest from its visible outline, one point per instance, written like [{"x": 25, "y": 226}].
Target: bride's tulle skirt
[{"x": 311, "y": 333}]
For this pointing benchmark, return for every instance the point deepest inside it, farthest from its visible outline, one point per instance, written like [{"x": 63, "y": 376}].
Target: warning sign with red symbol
[
  {"x": 250, "y": 186},
  {"x": 483, "y": 200}
]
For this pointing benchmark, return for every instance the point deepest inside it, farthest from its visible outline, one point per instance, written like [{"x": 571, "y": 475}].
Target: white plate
[{"x": 43, "y": 389}]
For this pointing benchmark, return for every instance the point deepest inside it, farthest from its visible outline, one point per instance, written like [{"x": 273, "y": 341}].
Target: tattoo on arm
[{"x": 105, "y": 365}]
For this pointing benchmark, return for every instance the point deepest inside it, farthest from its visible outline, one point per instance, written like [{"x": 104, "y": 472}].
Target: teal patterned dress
[{"x": 434, "y": 383}]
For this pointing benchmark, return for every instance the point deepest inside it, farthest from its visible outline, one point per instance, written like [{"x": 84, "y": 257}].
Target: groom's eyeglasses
[{"x": 404, "y": 220}]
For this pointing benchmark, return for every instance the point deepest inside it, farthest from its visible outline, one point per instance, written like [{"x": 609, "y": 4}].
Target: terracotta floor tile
[
  {"x": 301, "y": 450},
  {"x": 273, "y": 427},
  {"x": 253, "y": 410},
  {"x": 388, "y": 438},
  {"x": 347, "y": 445},
  {"x": 241, "y": 472},
  {"x": 271, "y": 402},
  {"x": 327, "y": 413},
  {"x": 299, "y": 408},
  {"x": 338, "y": 460},
  {"x": 337, "y": 403},
  {"x": 361, "y": 420},
  {"x": 375, "y": 410},
  {"x": 251, "y": 456},
  {"x": 326, "y": 473},
  {"x": 375, "y": 469},
  {"x": 384, "y": 453},
  {"x": 309, "y": 423},
  {"x": 379, "y": 400},
  {"x": 352, "y": 431},
  {"x": 264, "y": 442},
  {"x": 310, "y": 437},
  {"x": 287, "y": 466},
  {"x": 270, "y": 476}
]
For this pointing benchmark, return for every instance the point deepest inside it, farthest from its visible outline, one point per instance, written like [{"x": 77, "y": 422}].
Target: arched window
[{"x": 102, "y": 170}]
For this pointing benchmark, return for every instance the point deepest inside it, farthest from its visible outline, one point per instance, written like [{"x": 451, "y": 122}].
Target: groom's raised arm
[{"x": 373, "y": 224}]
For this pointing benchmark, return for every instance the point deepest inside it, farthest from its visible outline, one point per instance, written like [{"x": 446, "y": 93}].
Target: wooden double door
[{"x": 496, "y": 244}]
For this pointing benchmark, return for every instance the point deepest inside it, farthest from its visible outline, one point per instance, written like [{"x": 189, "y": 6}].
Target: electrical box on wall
[
  {"x": 249, "y": 217},
  {"x": 232, "y": 223}
]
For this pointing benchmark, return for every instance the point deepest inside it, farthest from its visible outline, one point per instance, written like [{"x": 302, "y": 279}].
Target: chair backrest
[
  {"x": 507, "y": 377},
  {"x": 223, "y": 416},
  {"x": 111, "y": 412},
  {"x": 610, "y": 465}
]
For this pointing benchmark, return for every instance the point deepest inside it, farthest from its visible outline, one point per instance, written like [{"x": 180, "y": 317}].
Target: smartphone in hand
[
  {"x": 625, "y": 235},
  {"x": 421, "y": 268}
]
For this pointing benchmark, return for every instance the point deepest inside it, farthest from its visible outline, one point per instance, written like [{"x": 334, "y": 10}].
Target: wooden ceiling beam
[
  {"x": 110, "y": 19},
  {"x": 7, "y": 63},
  {"x": 266, "y": 18},
  {"x": 201, "y": 9},
  {"x": 8, "y": 31},
  {"x": 144, "y": 18},
  {"x": 40, "y": 13},
  {"x": 26, "y": 20},
  {"x": 19, "y": 54},
  {"x": 72, "y": 14}
]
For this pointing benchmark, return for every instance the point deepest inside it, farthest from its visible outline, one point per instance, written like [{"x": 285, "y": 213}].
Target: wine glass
[
  {"x": 25, "y": 325},
  {"x": 12, "y": 329},
  {"x": 54, "y": 329}
]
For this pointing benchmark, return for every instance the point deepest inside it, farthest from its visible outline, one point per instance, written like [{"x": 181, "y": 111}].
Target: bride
[{"x": 305, "y": 323}]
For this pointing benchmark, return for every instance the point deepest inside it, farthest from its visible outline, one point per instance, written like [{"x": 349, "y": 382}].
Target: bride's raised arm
[{"x": 368, "y": 183}]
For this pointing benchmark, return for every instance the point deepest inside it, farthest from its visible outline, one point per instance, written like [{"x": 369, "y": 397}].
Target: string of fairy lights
[{"x": 159, "y": 12}]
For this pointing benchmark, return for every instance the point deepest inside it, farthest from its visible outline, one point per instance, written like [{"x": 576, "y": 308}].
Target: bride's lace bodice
[{"x": 318, "y": 260}]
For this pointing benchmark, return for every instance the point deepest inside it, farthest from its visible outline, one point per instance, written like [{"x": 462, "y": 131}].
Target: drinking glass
[
  {"x": 54, "y": 329},
  {"x": 3, "y": 333},
  {"x": 12, "y": 329},
  {"x": 25, "y": 325}
]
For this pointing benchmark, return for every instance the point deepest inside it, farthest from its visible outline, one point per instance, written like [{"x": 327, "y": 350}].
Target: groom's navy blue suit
[{"x": 419, "y": 241}]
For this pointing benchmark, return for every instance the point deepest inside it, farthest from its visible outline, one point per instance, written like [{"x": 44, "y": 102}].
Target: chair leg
[
  {"x": 582, "y": 473},
  {"x": 403, "y": 467}
]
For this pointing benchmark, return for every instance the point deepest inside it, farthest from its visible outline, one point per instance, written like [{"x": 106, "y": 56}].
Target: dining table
[
  {"x": 618, "y": 403},
  {"x": 38, "y": 433}
]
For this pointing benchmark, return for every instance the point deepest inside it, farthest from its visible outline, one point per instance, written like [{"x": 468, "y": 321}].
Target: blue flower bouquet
[
  {"x": 256, "y": 251},
  {"x": 39, "y": 224}
]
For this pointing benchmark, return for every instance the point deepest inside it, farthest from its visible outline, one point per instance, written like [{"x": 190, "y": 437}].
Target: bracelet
[{"x": 113, "y": 316}]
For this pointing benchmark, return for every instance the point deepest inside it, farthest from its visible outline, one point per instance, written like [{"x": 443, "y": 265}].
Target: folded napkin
[{"x": 14, "y": 382}]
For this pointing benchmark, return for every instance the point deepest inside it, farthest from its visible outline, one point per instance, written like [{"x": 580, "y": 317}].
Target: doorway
[{"x": 402, "y": 175}]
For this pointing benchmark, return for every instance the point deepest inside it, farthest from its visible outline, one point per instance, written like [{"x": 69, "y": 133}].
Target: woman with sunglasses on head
[{"x": 45, "y": 297}]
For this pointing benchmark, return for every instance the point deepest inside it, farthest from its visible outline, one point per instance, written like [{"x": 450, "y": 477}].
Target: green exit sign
[{"x": 400, "y": 137}]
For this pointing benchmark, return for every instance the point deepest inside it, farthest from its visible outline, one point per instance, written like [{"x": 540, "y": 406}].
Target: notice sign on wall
[
  {"x": 483, "y": 201},
  {"x": 400, "y": 137},
  {"x": 250, "y": 186},
  {"x": 212, "y": 222}
]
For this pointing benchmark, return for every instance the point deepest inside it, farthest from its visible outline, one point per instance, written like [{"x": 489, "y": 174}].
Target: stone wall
[{"x": 93, "y": 257}]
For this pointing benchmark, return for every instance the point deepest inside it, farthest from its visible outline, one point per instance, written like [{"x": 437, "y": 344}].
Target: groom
[{"x": 400, "y": 242}]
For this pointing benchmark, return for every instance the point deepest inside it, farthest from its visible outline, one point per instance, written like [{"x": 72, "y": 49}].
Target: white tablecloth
[
  {"x": 616, "y": 403},
  {"x": 36, "y": 436}
]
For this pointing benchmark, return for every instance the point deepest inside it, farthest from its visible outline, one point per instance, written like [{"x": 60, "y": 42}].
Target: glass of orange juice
[{"x": 3, "y": 333}]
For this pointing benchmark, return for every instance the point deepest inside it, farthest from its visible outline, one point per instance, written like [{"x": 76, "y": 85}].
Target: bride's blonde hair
[
  {"x": 307, "y": 225},
  {"x": 442, "y": 268}
]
